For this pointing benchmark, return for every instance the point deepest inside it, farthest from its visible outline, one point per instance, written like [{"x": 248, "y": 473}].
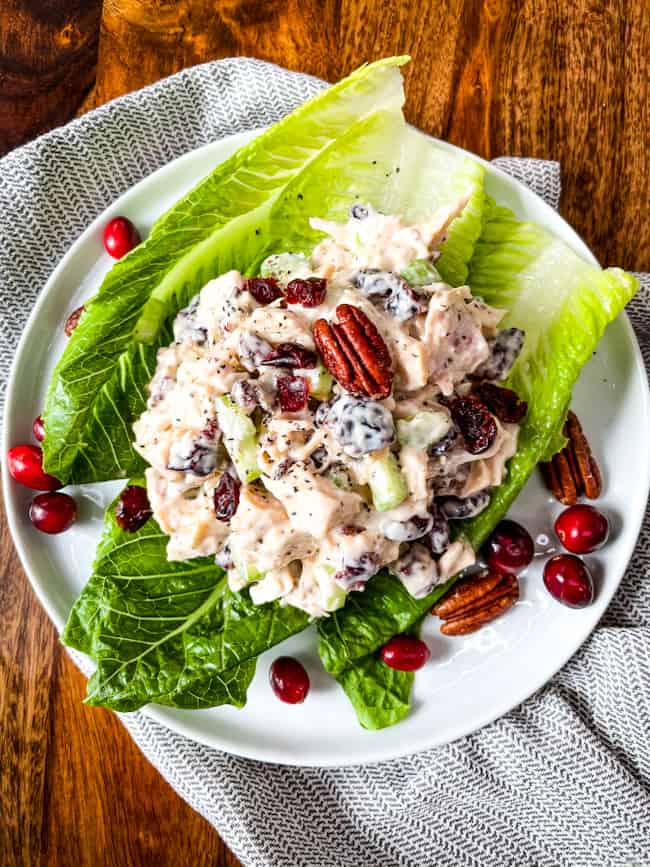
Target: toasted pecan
[
  {"x": 474, "y": 620},
  {"x": 573, "y": 471},
  {"x": 465, "y": 592},
  {"x": 355, "y": 353},
  {"x": 475, "y": 601}
]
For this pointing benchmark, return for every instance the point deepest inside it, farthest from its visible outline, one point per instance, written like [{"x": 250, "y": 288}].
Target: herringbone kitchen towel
[{"x": 562, "y": 780}]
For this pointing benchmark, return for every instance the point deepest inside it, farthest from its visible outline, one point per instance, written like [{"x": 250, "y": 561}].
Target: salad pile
[{"x": 326, "y": 374}]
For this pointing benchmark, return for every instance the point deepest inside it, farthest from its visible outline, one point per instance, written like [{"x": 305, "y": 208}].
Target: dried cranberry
[
  {"x": 263, "y": 289},
  {"x": 476, "y": 423},
  {"x": 351, "y": 530},
  {"x": 73, "y": 320},
  {"x": 226, "y": 497},
  {"x": 503, "y": 402},
  {"x": 310, "y": 292},
  {"x": 52, "y": 513},
  {"x": 289, "y": 680},
  {"x": 133, "y": 509},
  {"x": 356, "y": 573},
  {"x": 290, "y": 355},
  {"x": 25, "y": 464},
  {"x": 293, "y": 393},
  {"x": 38, "y": 429},
  {"x": 404, "y": 653}
]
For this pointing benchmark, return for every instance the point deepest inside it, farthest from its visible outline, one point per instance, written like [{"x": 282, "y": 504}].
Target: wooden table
[{"x": 564, "y": 80}]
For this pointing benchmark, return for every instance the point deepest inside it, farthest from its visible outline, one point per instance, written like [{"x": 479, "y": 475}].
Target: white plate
[{"x": 470, "y": 681}]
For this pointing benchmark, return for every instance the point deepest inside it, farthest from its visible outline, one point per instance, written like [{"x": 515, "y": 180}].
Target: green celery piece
[
  {"x": 239, "y": 437},
  {"x": 98, "y": 386},
  {"x": 564, "y": 304},
  {"x": 386, "y": 482},
  {"x": 421, "y": 272},
  {"x": 168, "y": 632}
]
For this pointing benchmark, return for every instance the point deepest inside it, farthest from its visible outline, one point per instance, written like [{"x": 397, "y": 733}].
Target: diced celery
[
  {"x": 319, "y": 379},
  {"x": 387, "y": 483},
  {"x": 423, "y": 429},
  {"x": 239, "y": 437},
  {"x": 285, "y": 266},
  {"x": 421, "y": 272}
]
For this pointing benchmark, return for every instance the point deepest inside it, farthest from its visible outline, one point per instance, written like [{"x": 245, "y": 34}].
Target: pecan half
[
  {"x": 355, "y": 353},
  {"x": 475, "y": 601},
  {"x": 573, "y": 471}
]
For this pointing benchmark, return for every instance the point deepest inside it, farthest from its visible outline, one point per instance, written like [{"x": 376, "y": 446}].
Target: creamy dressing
[{"x": 306, "y": 531}]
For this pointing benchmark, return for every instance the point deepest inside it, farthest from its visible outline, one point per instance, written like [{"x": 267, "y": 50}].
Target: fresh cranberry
[
  {"x": 38, "y": 429},
  {"x": 293, "y": 393},
  {"x": 290, "y": 355},
  {"x": 289, "y": 680},
  {"x": 582, "y": 529},
  {"x": 120, "y": 237},
  {"x": 569, "y": 581},
  {"x": 133, "y": 509},
  {"x": 510, "y": 548},
  {"x": 405, "y": 653},
  {"x": 73, "y": 320},
  {"x": 310, "y": 292},
  {"x": 52, "y": 513},
  {"x": 26, "y": 467},
  {"x": 226, "y": 497},
  {"x": 263, "y": 289}
]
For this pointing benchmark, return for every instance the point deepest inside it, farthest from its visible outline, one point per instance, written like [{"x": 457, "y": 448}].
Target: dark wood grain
[
  {"x": 545, "y": 78},
  {"x": 48, "y": 56}
]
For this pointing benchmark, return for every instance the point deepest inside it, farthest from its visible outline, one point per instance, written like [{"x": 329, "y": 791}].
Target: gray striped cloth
[{"x": 561, "y": 780}]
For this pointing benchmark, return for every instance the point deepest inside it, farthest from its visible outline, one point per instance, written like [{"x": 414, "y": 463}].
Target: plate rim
[{"x": 374, "y": 752}]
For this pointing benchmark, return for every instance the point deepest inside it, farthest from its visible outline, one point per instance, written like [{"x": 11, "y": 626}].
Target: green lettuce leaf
[
  {"x": 98, "y": 386},
  {"x": 168, "y": 632},
  {"x": 564, "y": 304},
  {"x": 381, "y": 696}
]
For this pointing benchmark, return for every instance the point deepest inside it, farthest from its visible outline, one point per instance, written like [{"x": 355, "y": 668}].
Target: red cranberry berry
[
  {"x": 405, "y": 653},
  {"x": 73, "y": 320},
  {"x": 510, "y": 548},
  {"x": 263, "y": 289},
  {"x": 569, "y": 581},
  {"x": 52, "y": 513},
  {"x": 290, "y": 355},
  {"x": 293, "y": 393},
  {"x": 226, "y": 497},
  {"x": 289, "y": 680},
  {"x": 310, "y": 292},
  {"x": 26, "y": 467},
  {"x": 38, "y": 429},
  {"x": 120, "y": 237},
  {"x": 133, "y": 509},
  {"x": 582, "y": 529}
]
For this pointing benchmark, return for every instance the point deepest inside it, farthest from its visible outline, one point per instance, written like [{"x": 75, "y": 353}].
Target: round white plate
[{"x": 470, "y": 681}]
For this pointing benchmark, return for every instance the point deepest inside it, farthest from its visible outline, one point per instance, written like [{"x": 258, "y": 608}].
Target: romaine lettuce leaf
[
  {"x": 168, "y": 632},
  {"x": 564, "y": 304},
  {"x": 98, "y": 385}
]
